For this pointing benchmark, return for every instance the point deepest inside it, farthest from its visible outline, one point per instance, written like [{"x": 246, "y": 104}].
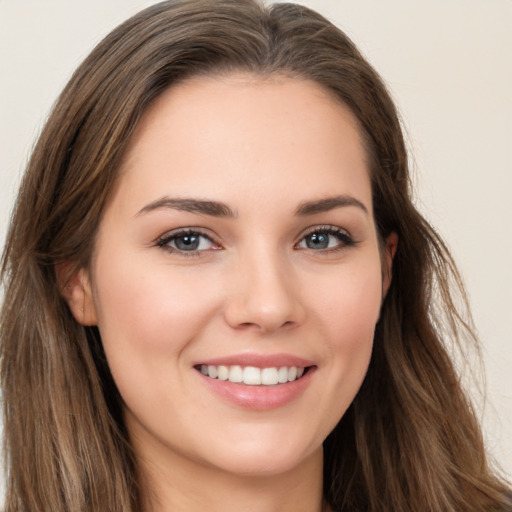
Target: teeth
[
  {"x": 236, "y": 374},
  {"x": 269, "y": 376},
  {"x": 252, "y": 376},
  {"x": 292, "y": 373},
  {"x": 282, "y": 375},
  {"x": 223, "y": 372}
]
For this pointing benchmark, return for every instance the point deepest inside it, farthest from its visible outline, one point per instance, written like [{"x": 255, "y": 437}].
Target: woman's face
[{"x": 240, "y": 243}]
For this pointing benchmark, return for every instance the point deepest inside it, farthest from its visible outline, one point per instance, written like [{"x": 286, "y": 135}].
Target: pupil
[
  {"x": 318, "y": 241},
  {"x": 187, "y": 242}
]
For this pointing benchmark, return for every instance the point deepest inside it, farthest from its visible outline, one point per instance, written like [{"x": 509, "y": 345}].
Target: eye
[
  {"x": 187, "y": 241},
  {"x": 326, "y": 238}
]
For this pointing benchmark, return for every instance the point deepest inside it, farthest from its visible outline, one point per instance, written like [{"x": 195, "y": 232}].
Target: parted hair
[{"x": 409, "y": 441}]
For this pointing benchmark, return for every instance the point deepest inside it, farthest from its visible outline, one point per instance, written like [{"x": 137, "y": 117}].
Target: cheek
[
  {"x": 350, "y": 302},
  {"x": 147, "y": 320},
  {"x": 146, "y": 314},
  {"x": 346, "y": 314}
]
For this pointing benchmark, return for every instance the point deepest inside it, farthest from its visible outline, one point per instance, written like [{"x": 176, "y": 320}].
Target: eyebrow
[
  {"x": 219, "y": 209},
  {"x": 206, "y": 207},
  {"x": 329, "y": 203}
]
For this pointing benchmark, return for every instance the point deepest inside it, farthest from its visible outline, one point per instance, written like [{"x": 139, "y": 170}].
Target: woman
[{"x": 218, "y": 291}]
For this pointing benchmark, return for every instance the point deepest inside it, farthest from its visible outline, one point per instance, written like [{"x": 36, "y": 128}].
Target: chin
[{"x": 261, "y": 458}]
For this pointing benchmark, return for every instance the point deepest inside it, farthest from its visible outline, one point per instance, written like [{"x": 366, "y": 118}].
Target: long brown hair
[{"x": 409, "y": 441}]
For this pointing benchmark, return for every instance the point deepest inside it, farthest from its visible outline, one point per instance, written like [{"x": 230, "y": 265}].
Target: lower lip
[{"x": 259, "y": 398}]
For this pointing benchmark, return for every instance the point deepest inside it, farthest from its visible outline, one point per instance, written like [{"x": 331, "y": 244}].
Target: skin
[{"x": 256, "y": 285}]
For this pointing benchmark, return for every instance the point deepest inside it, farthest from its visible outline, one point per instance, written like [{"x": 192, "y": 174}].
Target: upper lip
[{"x": 258, "y": 360}]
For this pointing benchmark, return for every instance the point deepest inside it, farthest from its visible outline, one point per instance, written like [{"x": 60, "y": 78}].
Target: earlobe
[
  {"x": 76, "y": 289},
  {"x": 390, "y": 246}
]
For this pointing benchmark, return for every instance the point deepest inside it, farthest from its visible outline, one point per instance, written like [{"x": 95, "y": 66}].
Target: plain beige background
[{"x": 448, "y": 64}]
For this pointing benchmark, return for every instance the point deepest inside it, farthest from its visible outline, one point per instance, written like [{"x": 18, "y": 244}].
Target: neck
[{"x": 177, "y": 484}]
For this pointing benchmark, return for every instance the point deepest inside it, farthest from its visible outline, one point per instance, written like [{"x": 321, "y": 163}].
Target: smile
[{"x": 253, "y": 376}]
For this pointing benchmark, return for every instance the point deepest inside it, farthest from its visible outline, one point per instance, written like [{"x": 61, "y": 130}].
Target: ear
[
  {"x": 390, "y": 245},
  {"x": 75, "y": 287}
]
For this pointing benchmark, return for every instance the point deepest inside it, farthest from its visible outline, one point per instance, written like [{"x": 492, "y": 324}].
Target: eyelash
[
  {"x": 344, "y": 238},
  {"x": 167, "y": 239}
]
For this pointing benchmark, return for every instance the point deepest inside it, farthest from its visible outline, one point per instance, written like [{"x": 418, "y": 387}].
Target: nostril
[{"x": 264, "y": 301}]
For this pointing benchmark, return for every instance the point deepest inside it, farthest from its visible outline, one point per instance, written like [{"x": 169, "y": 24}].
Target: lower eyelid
[
  {"x": 344, "y": 240},
  {"x": 165, "y": 240},
  {"x": 342, "y": 235}
]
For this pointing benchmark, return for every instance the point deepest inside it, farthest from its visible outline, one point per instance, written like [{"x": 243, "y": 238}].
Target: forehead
[{"x": 236, "y": 135}]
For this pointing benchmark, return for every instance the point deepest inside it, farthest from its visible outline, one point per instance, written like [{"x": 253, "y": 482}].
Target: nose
[{"x": 264, "y": 295}]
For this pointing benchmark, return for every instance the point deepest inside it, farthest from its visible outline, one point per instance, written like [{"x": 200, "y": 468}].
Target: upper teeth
[{"x": 253, "y": 376}]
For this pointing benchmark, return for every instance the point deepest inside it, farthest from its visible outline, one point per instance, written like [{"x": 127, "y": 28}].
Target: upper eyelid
[
  {"x": 162, "y": 239},
  {"x": 345, "y": 238},
  {"x": 184, "y": 231},
  {"x": 164, "y": 242},
  {"x": 323, "y": 227}
]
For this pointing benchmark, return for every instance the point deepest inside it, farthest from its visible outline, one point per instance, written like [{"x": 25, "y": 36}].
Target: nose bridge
[{"x": 265, "y": 293}]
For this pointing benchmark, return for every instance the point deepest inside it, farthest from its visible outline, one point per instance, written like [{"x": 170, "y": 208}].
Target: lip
[
  {"x": 258, "y": 360},
  {"x": 258, "y": 398}
]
